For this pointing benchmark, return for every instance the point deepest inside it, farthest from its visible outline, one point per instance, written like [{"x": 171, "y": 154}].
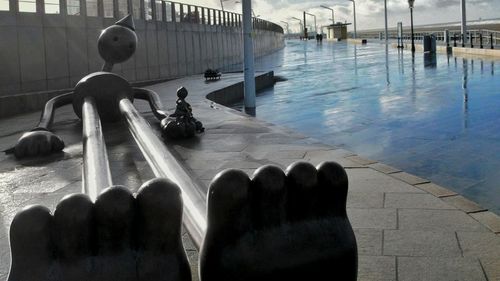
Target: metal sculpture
[
  {"x": 104, "y": 90},
  {"x": 275, "y": 226}
]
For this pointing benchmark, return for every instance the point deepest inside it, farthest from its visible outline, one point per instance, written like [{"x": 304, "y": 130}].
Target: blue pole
[{"x": 249, "y": 57}]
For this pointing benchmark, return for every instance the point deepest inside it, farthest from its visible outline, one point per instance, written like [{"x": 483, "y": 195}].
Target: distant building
[{"x": 337, "y": 31}]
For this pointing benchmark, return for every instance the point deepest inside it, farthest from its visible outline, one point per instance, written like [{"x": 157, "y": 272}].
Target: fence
[
  {"x": 484, "y": 38},
  {"x": 166, "y": 11}
]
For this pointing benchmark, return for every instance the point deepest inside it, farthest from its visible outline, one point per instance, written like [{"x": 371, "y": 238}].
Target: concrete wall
[{"x": 41, "y": 52}]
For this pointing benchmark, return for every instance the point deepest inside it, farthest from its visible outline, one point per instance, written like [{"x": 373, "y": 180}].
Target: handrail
[
  {"x": 179, "y": 12},
  {"x": 154, "y": 10}
]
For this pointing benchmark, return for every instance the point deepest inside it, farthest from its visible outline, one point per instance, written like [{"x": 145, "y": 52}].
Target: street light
[
  {"x": 300, "y": 22},
  {"x": 315, "y": 26},
  {"x": 386, "y": 30},
  {"x": 464, "y": 23},
  {"x": 287, "y": 30},
  {"x": 354, "y": 12},
  {"x": 411, "y": 3},
  {"x": 323, "y": 6}
]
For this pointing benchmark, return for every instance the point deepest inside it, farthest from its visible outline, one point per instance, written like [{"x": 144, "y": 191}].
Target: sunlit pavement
[{"x": 404, "y": 229}]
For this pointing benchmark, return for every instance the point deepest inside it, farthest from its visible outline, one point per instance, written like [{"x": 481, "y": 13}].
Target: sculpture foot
[
  {"x": 119, "y": 238},
  {"x": 279, "y": 226}
]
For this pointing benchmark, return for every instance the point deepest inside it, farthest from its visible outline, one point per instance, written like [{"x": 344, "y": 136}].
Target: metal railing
[
  {"x": 480, "y": 38},
  {"x": 149, "y": 10}
]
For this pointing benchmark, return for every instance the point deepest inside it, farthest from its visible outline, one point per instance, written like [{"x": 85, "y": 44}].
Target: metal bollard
[
  {"x": 463, "y": 40},
  {"x": 454, "y": 40},
  {"x": 481, "y": 40},
  {"x": 491, "y": 40},
  {"x": 471, "y": 40}
]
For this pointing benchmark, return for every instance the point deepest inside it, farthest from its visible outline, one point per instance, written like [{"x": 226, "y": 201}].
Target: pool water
[{"x": 437, "y": 117}]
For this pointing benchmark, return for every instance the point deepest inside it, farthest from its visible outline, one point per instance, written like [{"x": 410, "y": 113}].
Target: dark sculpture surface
[
  {"x": 118, "y": 238},
  {"x": 279, "y": 226},
  {"x": 116, "y": 44},
  {"x": 181, "y": 123}
]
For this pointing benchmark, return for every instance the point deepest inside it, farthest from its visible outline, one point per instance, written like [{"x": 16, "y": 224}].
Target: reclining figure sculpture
[
  {"x": 274, "y": 226},
  {"x": 116, "y": 44}
]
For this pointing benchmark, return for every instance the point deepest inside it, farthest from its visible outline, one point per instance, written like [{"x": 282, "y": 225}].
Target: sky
[{"x": 369, "y": 13}]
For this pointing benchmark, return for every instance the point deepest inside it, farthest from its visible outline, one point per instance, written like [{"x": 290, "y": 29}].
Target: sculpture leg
[
  {"x": 96, "y": 172},
  {"x": 41, "y": 141}
]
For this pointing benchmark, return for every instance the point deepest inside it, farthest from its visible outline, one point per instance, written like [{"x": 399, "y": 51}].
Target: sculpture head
[
  {"x": 118, "y": 42},
  {"x": 182, "y": 93}
]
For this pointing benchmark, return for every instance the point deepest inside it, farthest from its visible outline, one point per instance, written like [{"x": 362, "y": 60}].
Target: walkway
[{"x": 406, "y": 227}]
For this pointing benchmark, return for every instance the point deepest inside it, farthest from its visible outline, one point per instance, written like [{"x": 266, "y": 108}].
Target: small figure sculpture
[
  {"x": 116, "y": 44},
  {"x": 181, "y": 123}
]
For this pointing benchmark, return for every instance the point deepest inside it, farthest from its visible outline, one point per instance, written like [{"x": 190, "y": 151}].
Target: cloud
[{"x": 370, "y": 13}]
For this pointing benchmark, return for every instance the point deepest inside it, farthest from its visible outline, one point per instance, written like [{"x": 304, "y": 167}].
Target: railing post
[
  {"x": 454, "y": 39},
  {"x": 481, "y": 40},
  {"x": 471, "y": 35},
  {"x": 491, "y": 40}
]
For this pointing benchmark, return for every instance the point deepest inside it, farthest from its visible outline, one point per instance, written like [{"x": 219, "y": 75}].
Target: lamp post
[
  {"x": 315, "y": 26},
  {"x": 249, "y": 73},
  {"x": 464, "y": 22},
  {"x": 300, "y": 22},
  {"x": 410, "y": 3},
  {"x": 323, "y": 6},
  {"x": 287, "y": 30},
  {"x": 354, "y": 12},
  {"x": 386, "y": 29}
]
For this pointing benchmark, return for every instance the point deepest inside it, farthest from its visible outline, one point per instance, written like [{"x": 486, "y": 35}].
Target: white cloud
[{"x": 370, "y": 13}]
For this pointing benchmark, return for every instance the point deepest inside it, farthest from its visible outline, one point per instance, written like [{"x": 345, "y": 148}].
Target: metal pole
[
  {"x": 386, "y": 29},
  {"x": 354, "y": 8},
  {"x": 249, "y": 57},
  {"x": 96, "y": 172},
  {"x": 464, "y": 21},
  {"x": 164, "y": 165},
  {"x": 412, "y": 34}
]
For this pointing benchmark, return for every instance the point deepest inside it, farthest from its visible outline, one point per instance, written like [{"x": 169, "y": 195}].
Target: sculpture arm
[
  {"x": 47, "y": 117},
  {"x": 154, "y": 102}
]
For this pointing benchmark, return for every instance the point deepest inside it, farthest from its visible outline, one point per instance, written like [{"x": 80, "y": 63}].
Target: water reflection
[
  {"x": 401, "y": 61},
  {"x": 430, "y": 60},
  {"x": 387, "y": 64},
  {"x": 465, "y": 80}
]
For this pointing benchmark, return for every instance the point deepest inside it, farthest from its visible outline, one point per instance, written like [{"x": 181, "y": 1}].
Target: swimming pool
[{"x": 434, "y": 116}]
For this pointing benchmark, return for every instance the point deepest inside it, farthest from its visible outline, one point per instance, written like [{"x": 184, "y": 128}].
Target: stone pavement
[{"x": 406, "y": 227}]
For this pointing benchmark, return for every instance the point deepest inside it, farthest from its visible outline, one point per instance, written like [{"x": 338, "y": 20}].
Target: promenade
[{"x": 407, "y": 228}]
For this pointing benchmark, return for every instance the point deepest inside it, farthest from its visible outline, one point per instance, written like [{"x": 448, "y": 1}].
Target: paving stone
[
  {"x": 384, "y": 168},
  {"x": 414, "y": 201},
  {"x": 369, "y": 242},
  {"x": 365, "y": 200},
  {"x": 376, "y": 268},
  {"x": 491, "y": 267},
  {"x": 373, "y": 218},
  {"x": 442, "y": 269},
  {"x": 438, "y": 220},
  {"x": 286, "y": 154},
  {"x": 479, "y": 244},
  {"x": 436, "y": 190},
  {"x": 464, "y": 204},
  {"x": 416, "y": 243},
  {"x": 361, "y": 160},
  {"x": 489, "y": 219},
  {"x": 368, "y": 180},
  {"x": 409, "y": 178}
]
